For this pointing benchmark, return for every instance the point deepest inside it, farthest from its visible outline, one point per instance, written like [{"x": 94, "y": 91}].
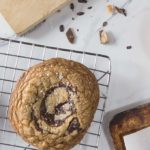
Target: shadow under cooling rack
[{"x": 17, "y": 56}]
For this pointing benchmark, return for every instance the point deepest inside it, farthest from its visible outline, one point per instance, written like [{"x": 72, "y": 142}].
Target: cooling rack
[{"x": 17, "y": 56}]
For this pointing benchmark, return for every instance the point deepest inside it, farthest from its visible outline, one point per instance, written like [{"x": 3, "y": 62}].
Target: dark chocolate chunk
[
  {"x": 80, "y": 13},
  {"x": 58, "y": 10},
  {"x": 129, "y": 47},
  {"x": 105, "y": 23},
  {"x": 121, "y": 10},
  {"x": 73, "y": 18},
  {"x": 61, "y": 28},
  {"x": 78, "y": 30},
  {"x": 43, "y": 108},
  {"x": 72, "y": 6},
  {"x": 33, "y": 117},
  {"x": 49, "y": 118},
  {"x": 82, "y": 1},
  {"x": 90, "y": 7},
  {"x": 70, "y": 35},
  {"x": 74, "y": 125}
]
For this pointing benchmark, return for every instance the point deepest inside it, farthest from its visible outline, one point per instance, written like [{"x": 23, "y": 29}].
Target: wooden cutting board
[{"x": 23, "y": 15}]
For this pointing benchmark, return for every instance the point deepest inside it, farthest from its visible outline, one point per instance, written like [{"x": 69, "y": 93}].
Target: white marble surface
[{"x": 130, "y": 82}]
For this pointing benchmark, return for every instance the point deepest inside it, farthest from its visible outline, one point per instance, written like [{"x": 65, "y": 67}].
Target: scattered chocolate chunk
[
  {"x": 121, "y": 10},
  {"x": 61, "y": 28},
  {"x": 103, "y": 37},
  {"x": 70, "y": 35},
  {"x": 90, "y": 7},
  {"x": 80, "y": 13},
  {"x": 58, "y": 10},
  {"x": 72, "y": 6},
  {"x": 77, "y": 30},
  {"x": 44, "y": 21},
  {"x": 105, "y": 24},
  {"x": 82, "y": 1},
  {"x": 74, "y": 125},
  {"x": 129, "y": 47},
  {"x": 73, "y": 18}
]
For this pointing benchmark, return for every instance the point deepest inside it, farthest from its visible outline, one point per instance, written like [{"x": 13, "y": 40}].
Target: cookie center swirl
[{"x": 57, "y": 104}]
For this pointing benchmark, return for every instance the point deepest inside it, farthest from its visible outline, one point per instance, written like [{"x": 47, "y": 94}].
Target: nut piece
[
  {"x": 115, "y": 9},
  {"x": 110, "y": 8},
  {"x": 103, "y": 37},
  {"x": 70, "y": 35}
]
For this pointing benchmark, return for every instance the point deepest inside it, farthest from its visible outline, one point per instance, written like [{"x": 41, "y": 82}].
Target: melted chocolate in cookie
[
  {"x": 36, "y": 122},
  {"x": 59, "y": 109},
  {"x": 74, "y": 125}
]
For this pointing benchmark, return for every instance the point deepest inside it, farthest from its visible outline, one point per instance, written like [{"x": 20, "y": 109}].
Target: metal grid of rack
[{"x": 17, "y": 56}]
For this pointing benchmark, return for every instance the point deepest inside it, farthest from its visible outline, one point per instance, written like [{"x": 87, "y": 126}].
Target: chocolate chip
[
  {"x": 105, "y": 24},
  {"x": 129, "y": 47},
  {"x": 121, "y": 10},
  {"x": 73, "y": 18},
  {"x": 82, "y": 1},
  {"x": 80, "y": 13},
  {"x": 44, "y": 21},
  {"x": 43, "y": 108},
  {"x": 61, "y": 28},
  {"x": 58, "y": 10},
  {"x": 72, "y": 6},
  {"x": 90, "y": 7},
  {"x": 77, "y": 30},
  {"x": 74, "y": 125},
  {"x": 49, "y": 118},
  {"x": 70, "y": 35},
  {"x": 35, "y": 120}
]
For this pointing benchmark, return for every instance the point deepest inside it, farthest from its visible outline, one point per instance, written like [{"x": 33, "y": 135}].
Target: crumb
[
  {"x": 82, "y": 1},
  {"x": 90, "y": 7},
  {"x": 110, "y": 8},
  {"x": 103, "y": 37},
  {"x": 80, "y": 13},
  {"x": 58, "y": 10},
  {"x": 121, "y": 10},
  {"x": 70, "y": 35},
  {"x": 72, "y": 6},
  {"x": 105, "y": 23},
  {"x": 61, "y": 28},
  {"x": 129, "y": 47}
]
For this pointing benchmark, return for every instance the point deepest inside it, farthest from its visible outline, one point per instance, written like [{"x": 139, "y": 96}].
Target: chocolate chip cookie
[{"x": 53, "y": 104}]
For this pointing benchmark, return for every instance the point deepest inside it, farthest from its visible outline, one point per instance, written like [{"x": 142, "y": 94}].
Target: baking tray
[{"x": 17, "y": 56}]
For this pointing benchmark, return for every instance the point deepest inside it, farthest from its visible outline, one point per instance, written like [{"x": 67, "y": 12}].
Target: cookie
[{"x": 53, "y": 104}]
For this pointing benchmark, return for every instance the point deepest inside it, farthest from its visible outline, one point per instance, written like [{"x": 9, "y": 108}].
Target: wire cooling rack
[{"x": 17, "y": 56}]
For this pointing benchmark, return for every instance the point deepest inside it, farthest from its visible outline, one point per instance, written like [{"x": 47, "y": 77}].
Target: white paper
[{"x": 139, "y": 140}]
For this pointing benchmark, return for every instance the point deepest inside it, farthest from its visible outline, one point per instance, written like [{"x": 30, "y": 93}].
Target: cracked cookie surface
[{"x": 53, "y": 104}]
